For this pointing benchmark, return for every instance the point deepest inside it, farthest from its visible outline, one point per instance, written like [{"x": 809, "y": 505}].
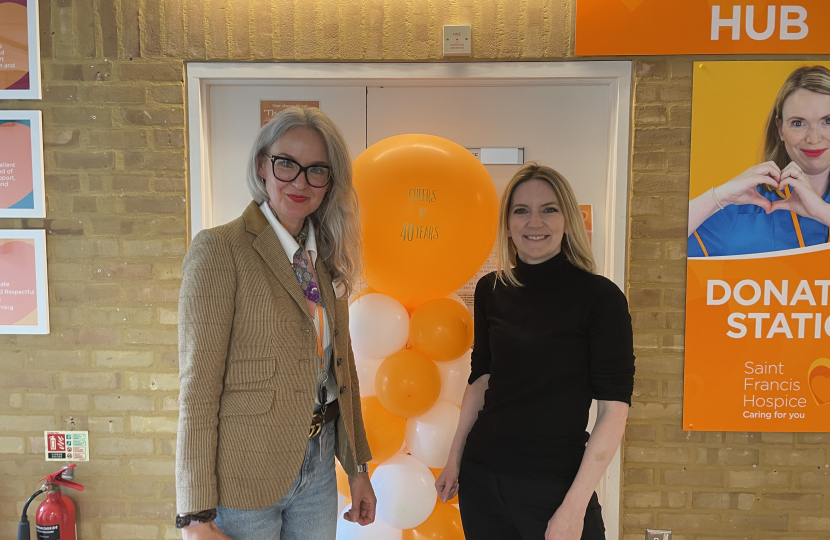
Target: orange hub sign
[{"x": 667, "y": 27}]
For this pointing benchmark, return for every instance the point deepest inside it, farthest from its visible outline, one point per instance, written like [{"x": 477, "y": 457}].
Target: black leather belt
[{"x": 326, "y": 415}]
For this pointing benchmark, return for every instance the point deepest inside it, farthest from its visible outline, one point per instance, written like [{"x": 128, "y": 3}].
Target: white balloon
[
  {"x": 359, "y": 288},
  {"x": 454, "y": 296},
  {"x": 454, "y": 376},
  {"x": 405, "y": 489},
  {"x": 366, "y": 371},
  {"x": 341, "y": 504},
  {"x": 429, "y": 436},
  {"x": 379, "y": 326},
  {"x": 346, "y": 530}
]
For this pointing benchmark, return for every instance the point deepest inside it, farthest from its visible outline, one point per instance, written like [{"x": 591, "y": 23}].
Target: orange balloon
[
  {"x": 407, "y": 384},
  {"x": 436, "y": 473},
  {"x": 428, "y": 215},
  {"x": 342, "y": 481},
  {"x": 443, "y": 524},
  {"x": 384, "y": 431},
  {"x": 441, "y": 329}
]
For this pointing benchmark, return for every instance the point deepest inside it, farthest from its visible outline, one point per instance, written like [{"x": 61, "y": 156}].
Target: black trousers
[{"x": 504, "y": 507}]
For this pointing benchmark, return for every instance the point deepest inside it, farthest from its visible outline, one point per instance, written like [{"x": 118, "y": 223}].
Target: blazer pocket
[
  {"x": 246, "y": 403},
  {"x": 250, "y": 370}
]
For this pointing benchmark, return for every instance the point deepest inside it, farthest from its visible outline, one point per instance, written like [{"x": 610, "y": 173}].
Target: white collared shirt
[{"x": 290, "y": 246}]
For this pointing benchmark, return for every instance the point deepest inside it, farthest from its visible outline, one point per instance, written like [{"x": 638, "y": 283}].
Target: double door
[{"x": 572, "y": 117}]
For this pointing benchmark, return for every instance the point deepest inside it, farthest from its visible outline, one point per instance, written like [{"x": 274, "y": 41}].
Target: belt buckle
[{"x": 316, "y": 425}]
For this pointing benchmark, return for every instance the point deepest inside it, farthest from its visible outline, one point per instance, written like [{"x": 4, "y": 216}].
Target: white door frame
[{"x": 614, "y": 74}]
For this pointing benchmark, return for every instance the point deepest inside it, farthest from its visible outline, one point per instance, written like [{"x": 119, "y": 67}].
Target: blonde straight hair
[
  {"x": 337, "y": 219},
  {"x": 575, "y": 241}
]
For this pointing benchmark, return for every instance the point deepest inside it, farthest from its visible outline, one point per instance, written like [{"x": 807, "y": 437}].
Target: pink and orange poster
[
  {"x": 24, "y": 304},
  {"x": 19, "y": 50},
  {"x": 21, "y": 165}
]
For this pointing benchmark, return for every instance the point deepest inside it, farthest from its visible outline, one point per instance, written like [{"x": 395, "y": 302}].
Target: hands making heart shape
[{"x": 802, "y": 198}]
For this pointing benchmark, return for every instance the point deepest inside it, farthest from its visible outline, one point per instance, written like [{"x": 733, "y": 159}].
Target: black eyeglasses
[{"x": 287, "y": 170}]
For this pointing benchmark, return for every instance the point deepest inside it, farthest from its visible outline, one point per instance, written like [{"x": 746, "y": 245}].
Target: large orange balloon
[
  {"x": 407, "y": 384},
  {"x": 384, "y": 431},
  {"x": 441, "y": 329},
  {"x": 428, "y": 214},
  {"x": 443, "y": 524}
]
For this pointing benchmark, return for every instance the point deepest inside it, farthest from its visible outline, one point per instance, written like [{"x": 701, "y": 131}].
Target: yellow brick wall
[{"x": 113, "y": 118}]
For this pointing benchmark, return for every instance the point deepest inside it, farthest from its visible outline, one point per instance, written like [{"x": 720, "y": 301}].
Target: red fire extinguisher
[{"x": 55, "y": 518}]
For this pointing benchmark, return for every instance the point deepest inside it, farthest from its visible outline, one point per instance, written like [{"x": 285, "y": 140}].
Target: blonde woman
[
  {"x": 269, "y": 391},
  {"x": 550, "y": 336}
]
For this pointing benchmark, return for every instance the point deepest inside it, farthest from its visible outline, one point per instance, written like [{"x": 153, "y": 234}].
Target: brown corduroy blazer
[{"x": 248, "y": 370}]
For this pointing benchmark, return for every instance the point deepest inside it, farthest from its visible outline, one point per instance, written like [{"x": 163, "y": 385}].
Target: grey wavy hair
[{"x": 337, "y": 220}]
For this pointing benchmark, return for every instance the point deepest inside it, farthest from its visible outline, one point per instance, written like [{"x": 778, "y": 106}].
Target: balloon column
[{"x": 429, "y": 217}]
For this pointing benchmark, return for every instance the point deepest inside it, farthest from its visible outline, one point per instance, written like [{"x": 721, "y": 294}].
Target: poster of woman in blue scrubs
[
  {"x": 757, "y": 278},
  {"x": 784, "y": 201}
]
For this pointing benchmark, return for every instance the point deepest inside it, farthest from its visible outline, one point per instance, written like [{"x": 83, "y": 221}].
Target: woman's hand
[
  {"x": 447, "y": 483},
  {"x": 204, "y": 531},
  {"x": 566, "y": 524},
  {"x": 742, "y": 188},
  {"x": 364, "y": 501},
  {"x": 803, "y": 199}
]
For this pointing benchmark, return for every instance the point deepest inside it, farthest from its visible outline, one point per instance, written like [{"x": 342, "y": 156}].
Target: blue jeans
[{"x": 307, "y": 512}]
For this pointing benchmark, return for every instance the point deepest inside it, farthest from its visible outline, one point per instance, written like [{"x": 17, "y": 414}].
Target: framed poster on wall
[
  {"x": 370, "y": 102},
  {"x": 19, "y": 50},
  {"x": 24, "y": 299},
  {"x": 21, "y": 165},
  {"x": 268, "y": 109}
]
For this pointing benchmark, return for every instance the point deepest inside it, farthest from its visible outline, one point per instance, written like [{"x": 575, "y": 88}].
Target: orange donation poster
[
  {"x": 758, "y": 284},
  {"x": 23, "y": 302},
  {"x": 19, "y": 55},
  {"x": 664, "y": 27}
]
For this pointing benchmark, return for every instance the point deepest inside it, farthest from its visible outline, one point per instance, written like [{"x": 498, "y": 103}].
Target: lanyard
[{"x": 786, "y": 195}]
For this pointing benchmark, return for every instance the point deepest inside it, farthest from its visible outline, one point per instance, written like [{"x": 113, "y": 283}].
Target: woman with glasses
[{"x": 269, "y": 392}]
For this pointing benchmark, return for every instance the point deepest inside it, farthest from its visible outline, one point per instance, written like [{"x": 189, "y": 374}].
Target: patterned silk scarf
[{"x": 302, "y": 269}]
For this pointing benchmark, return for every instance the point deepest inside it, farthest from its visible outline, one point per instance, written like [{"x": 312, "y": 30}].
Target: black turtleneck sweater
[{"x": 550, "y": 347}]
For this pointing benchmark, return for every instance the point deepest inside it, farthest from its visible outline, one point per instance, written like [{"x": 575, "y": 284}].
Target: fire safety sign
[{"x": 67, "y": 445}]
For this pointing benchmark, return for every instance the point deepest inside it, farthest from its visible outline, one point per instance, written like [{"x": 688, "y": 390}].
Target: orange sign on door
[
  {"x": 664, "y": 27},
  {"x": 270, "y": 109}
]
